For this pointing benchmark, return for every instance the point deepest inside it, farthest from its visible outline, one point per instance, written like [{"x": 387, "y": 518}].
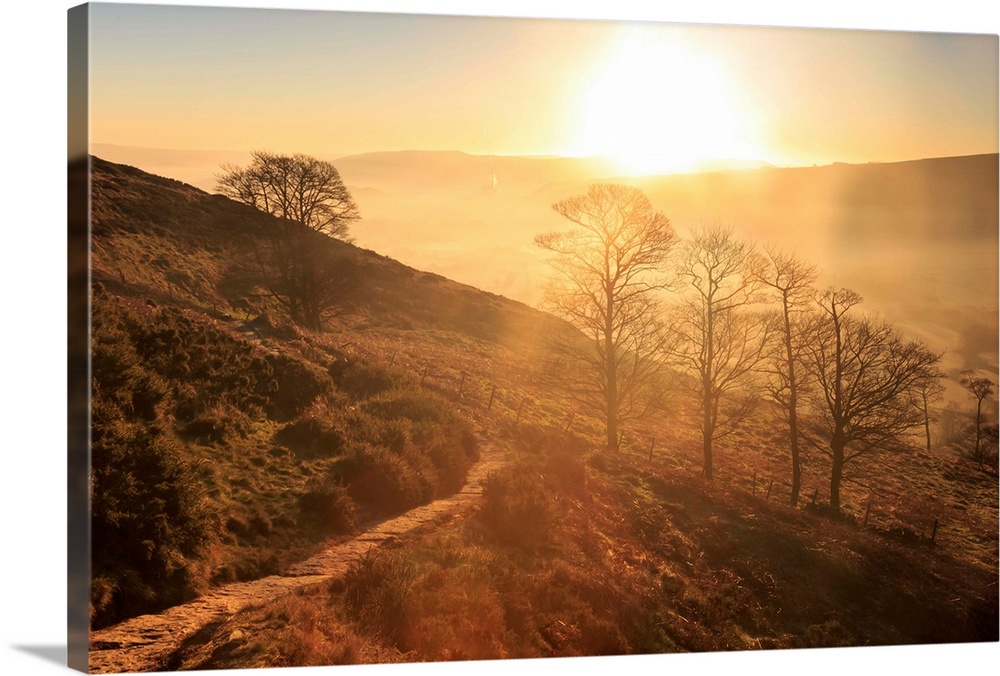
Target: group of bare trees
[
  {"x": 732, "y": 325},
  {"x": 711, "y": 314}
]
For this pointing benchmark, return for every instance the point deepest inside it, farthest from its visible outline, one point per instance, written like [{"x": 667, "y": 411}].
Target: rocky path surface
[{"x": 144, "y": 643}]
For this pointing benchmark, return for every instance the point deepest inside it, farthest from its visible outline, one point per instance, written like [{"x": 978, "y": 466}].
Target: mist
[{"x": 918, "y": 240}]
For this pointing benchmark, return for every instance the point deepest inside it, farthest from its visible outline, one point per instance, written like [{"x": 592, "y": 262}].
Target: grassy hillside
[
  {"x": 226, "y": 442},
  {"x": 166, "y": 240}
]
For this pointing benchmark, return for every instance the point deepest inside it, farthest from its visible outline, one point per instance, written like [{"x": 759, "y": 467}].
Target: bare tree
[
  {"x": 928, "y": 391},
  {"x": 716, "y": 340},
  {"x": 866, "y": 375},
  {"x": 791, "y": 280},
  {"x": 310, "y": 204},
  {"x": 980, "y": 388},
  {"x": 608, "y": 268},
  {"x": 297, "y": 188}
]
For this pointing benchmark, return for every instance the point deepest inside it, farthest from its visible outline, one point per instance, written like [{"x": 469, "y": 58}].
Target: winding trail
[{"x": 144, "y": 643}]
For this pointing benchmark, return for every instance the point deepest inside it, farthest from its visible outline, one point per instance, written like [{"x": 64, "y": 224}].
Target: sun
[{"x": 657, "y": 105}]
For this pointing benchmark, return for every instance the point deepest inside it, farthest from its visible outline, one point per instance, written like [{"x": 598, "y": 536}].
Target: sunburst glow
[{"x": 656, "y": 104}]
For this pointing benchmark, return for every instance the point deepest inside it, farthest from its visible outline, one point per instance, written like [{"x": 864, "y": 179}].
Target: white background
[{"x": 33, "y": 325}]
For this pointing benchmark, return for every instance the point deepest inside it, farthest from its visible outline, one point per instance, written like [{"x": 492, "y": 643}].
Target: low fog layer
[{"x": 917, "y": 239}]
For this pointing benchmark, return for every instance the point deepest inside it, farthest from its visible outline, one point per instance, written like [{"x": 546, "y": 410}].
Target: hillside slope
[
  {"x": 226, "y": 442},
  {"x": 170, "y": 241}
]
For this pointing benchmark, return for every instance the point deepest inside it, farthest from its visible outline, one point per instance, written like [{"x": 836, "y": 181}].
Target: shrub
[
  {"x": 298, "y": 384},
  {"x": 386, "y": 482},
  {"x": 517, "y": 506},
  {"x": 362, "y": 380},
  {"x": 217, "y": 425},
  {"x": 149, "y": 526},
  {"x": 412, "y": 404},
  {"x": 327, "y": 506},
  {"x": 312, "y": 437},
  {"x": 378, "y": 593}
]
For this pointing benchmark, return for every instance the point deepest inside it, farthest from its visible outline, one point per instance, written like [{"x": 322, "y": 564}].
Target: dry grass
[{"x": 638, "y": 557}]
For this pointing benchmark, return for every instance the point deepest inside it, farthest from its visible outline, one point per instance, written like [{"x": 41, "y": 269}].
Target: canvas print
[{"x": 408, "y": 338}]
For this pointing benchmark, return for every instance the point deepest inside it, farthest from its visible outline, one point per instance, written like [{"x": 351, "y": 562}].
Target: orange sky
[{"x": 652, "y": 96}]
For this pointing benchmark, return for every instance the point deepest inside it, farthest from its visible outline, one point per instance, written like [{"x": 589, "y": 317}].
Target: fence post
[
  {"x": 815, "y": 493},
  {"x": 516, "y": 422},
  {"x": 424, "y": 377},
  {"x": 768, "y": 496},
  {"x": 934, "y": 530},
  {"x": 392, "y": 359},
  {"x": 461, "y": 386},
  {"x": 492, "y": 393},
  {"x": 569, "y": 420}
]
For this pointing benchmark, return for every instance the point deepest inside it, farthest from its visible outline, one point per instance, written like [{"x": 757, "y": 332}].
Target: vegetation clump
[{"x": 216, "y": 459}]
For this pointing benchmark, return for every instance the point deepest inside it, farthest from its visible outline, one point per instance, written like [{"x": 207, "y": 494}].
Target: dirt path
[{"x": 144, "y": 643}]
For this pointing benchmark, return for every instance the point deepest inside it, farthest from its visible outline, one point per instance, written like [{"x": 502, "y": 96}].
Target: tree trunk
[
  {"x": 707, "y": 390},
  {"x": 707, "y": 438},
  {"x": 796, "y": 464},
  {"x": 611, "y": 370},
  {"x": 707, "y": 432},
  {"x": 979, "y": 424},
  {"x": 793, "y": 396},
  {"x": 837, "y": 473}
]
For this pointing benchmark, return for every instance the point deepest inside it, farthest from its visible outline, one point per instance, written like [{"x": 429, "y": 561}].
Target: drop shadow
[{"x": 50, "y": 653}]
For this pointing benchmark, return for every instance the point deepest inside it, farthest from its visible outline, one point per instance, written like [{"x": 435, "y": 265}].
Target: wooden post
[
  {"x": 868, "y": 510},
  {"x": 934, "y": 530},
  {"x": 651, "y": 442},
  {"x": 492, "y": 393},
  {"x": 618, "y": 446},
  {"x": 461, "y": 386},
  {"x": 569, "y": 420},
  {"x": 392, "y": 359},
  {"x": 768, "y": 496},
  {"x": 424, "y": 377},
  {"x": 815, "y": 493},
  {"x": 521, "y": 406}
]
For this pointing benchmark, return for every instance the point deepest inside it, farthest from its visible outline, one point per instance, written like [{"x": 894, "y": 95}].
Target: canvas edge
[{"x": 78, "y": 340}]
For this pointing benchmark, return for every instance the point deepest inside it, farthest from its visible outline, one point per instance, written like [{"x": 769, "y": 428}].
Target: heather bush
[
  {"x": 383, "y": 481},
  {"x": 518, "y": 508},
  {"x": 362, "y": 380},
  {"x": 312, "y": 437},
  {"x": 327, "y": 506},
  {"x": 149, "y": 525},
  {"x": 378, "y": 594}
]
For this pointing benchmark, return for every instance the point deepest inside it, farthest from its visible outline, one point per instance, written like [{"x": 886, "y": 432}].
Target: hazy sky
[{"x": 653, "y": 96}]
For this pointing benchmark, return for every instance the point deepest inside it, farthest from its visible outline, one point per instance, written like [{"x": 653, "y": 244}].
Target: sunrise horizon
[{"x": 652, "y": 98}]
